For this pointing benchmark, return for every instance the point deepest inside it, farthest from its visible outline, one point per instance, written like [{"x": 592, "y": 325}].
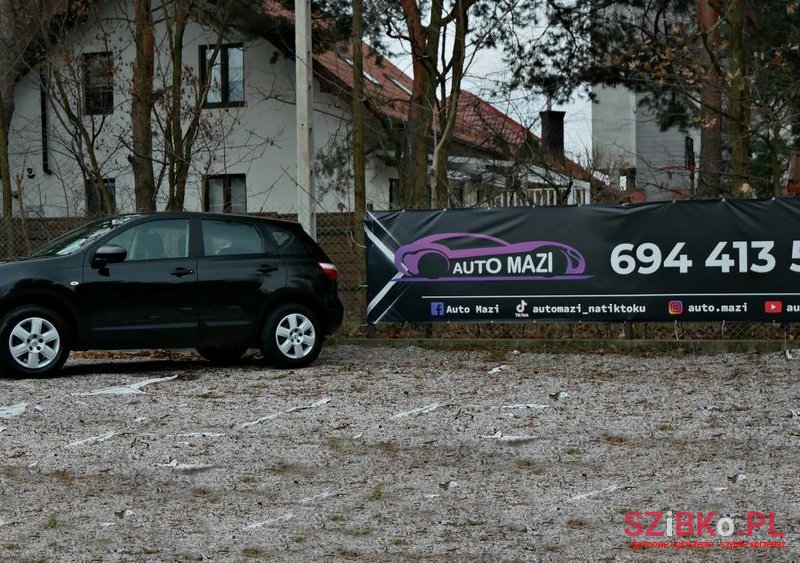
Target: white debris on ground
[
  {"x": 418, "y": 411},
  {"x": 13, "y": 410},
  {"x": 91, "y": 440},
  {"x": 314, "y": 405},
  {"x": 132, "y": 389},
  {"x": 272, "y": 521},
  {"x": 396, "y": 454}
]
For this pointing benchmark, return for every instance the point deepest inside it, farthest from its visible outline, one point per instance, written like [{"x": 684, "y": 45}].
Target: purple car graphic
[{"x": 497, "y": 259}]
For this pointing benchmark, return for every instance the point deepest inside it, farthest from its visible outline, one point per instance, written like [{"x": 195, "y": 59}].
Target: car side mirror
[{"x": 109, "y": 254}]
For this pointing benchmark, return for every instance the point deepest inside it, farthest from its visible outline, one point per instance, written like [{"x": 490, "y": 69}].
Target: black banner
[{"x": 688, "y": 261}]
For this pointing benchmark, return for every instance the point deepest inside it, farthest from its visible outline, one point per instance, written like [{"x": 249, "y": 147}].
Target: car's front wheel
[
  {"x": 292, "y": 336},
  {"x": 222, "y": 355},
  {"x": 34, "y": 341}
]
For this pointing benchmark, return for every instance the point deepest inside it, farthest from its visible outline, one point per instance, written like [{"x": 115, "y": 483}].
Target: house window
[
  {"x": 94, "y": 198},
  {"x": 224, "y": 76},
  {"x": 226, "y": 194},
  {"x": 98, "y": 84}
]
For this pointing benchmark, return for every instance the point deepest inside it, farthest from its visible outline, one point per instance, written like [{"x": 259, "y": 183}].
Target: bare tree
[
  {"x": 141, "y": 157},
  {"x": 181, "y": 124}
]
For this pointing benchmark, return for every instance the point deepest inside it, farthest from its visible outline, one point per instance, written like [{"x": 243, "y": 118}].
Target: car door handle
[
  {"x": 266, "y": 268},
  {"x": 180, "y": 272}
]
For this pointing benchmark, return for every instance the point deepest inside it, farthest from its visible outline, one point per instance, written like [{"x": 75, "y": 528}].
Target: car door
[
  {"x": 237, "y": 271},
  {"x": 147, "y": 300}
]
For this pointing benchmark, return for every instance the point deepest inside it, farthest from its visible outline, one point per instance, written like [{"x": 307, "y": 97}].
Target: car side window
[
  {"x": 155, "y": 240},
  {"x": 221, "y": 238},
  {"x": 287, "y": 242}
]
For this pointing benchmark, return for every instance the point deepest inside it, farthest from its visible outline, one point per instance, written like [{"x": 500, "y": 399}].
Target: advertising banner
[{"x": 687, "y": 261}]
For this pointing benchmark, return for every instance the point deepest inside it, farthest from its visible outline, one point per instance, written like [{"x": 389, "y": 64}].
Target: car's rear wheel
[
  {"x": 34, "y": 341},
  {"x": 222, "y": 355},
  {"x": 292, "y": 336}
]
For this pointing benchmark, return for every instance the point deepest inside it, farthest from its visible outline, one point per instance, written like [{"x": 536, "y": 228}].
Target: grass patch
[
  {"x": 63, "y": 476},
  {"x": 286, "y": 468},
  {"x": 52, "y": 522},
  {"x": 253, "y": 552},
  {"x": 573, "y": 450},
  {"x": 531, "y": 466},
  {"x": 249, "y": 479},
  {"x": 337, "y": 518},
  {"x": 12, "y": 546},
  {"x": 577, "y": 523},
  {"x": 347, "y": 553},
  {"x": 389, "y": 448},
  {"x": 496, "y": 355},
  {"x": 378, "y": 493},
  {"x": 205, "y": 493},
  {"x": 358, "y": 532},
  {"x": 613, "y": 439},
  {"x": 208, "y": 395},
  {"x": 336, "y": 443},
  {"x": 666, "y": 428},
  {"x": 10, "y": 471}
]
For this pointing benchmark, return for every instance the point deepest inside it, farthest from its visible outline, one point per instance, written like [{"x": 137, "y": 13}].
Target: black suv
[{"x": 218, "y": 283}]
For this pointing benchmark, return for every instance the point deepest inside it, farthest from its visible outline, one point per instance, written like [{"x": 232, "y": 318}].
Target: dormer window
[
  {"x": 367, "y": 75},
  {"x": 399, "y": 84}
]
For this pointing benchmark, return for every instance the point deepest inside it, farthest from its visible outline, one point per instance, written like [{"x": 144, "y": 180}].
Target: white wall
[
  {"x": 627, "y": 134},
  {"x": 257, "y": 140},
  {"x": 614, "y": 130}
]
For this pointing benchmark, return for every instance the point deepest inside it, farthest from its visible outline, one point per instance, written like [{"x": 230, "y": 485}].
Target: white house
[
  {"x": 629, "y": 145},
  {"x": 244, "y": 157}
]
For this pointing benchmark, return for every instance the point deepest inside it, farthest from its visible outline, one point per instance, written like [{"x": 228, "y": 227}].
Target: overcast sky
[{"x": 487, "y": 71}]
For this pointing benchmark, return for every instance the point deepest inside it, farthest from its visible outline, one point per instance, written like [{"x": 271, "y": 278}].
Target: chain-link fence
[{"x": 336, "y": 234}]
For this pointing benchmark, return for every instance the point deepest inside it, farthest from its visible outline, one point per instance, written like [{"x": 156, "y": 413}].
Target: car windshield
[{"x": 77, "y": 240}]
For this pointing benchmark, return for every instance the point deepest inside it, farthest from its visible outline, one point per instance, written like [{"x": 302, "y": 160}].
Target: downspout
[{"x": 43, "y": 108}]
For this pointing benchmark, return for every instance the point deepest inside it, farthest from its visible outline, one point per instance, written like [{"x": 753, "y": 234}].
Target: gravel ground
[{"x": 395, "y": 454}]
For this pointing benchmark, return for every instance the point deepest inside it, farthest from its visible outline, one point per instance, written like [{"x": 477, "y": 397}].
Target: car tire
[
  {"x": 292, "y": 336},
  {"x": 222, "y": 355},
  {"x": 34, "y": 341}
]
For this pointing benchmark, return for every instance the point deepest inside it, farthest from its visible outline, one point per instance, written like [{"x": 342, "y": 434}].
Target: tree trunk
[
  {"x": 708, "y": 185},
  {"x": 441, "y": 154},
  {"x": 424, "y": 42},
  {"x": 141, "y": 107},
  {"x": 5, "y": 172},
  {"x": 8, "y": 44},
  {"x": 178, "y": 167},
  {"x": 739, "y": 110}
]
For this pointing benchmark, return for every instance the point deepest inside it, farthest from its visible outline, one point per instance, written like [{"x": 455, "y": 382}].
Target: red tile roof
[{"x": 387, "y": 90}]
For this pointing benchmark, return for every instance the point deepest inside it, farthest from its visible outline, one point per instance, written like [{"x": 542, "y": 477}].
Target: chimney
[{"x": 553, "y": 135}]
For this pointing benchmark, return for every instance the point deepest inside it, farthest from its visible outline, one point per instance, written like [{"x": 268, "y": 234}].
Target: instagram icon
[{"x": 675, "y": 307}]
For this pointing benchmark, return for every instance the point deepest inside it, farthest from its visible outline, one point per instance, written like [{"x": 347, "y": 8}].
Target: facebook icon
[{"x": 437, "y": 309}]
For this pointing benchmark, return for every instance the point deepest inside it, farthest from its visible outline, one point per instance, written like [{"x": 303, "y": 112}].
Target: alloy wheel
[
  {"x": 295, "y": 335},
  {"x": 34, "y": 343}
]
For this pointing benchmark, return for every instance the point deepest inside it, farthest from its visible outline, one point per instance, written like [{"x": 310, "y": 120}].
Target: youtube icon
[{"x": 773, "y": 307}]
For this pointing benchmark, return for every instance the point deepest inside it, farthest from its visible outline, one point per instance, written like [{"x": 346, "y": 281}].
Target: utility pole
[{"x": 306, "y": 196}]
